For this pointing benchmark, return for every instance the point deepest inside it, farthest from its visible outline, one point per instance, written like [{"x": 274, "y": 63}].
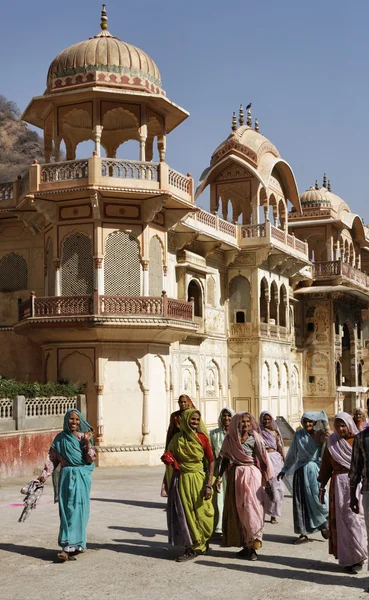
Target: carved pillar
[
  {"x": 224, "y": 208},
  {"x": 162, "y": 146},
  {"x": 97, "y": 135},
  {"x": 165, "y": 279},
  {"x": 98, "y": 275},
  {"x": 337, "y": 251},
  {"x": 57, "y": 277},
  {"x": 145, "y": 277},
  {"x": 100, "y": 416},
  {"x": 57, "y": 142},
  {"x": 143, "y": 139}
]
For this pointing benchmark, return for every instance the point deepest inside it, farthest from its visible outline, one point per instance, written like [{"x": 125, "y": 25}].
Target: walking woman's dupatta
[
  {"x": 338, "y": 447},
  {"x": 186, "y": 446}
]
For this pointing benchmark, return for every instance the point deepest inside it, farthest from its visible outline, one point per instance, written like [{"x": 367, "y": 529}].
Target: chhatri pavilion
[{"x": 111, "y": 274}]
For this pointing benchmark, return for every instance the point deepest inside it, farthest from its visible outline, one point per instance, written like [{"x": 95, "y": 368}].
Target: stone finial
[
  {"x": 256, "y": 125},
  {"x": 316, "y": 184},
  {"x": 329, "y": 186},
  {"x": 249, "y": 118},
  {"x": 325, "y": 180},
  {"x": 104, "y": 19},
  {"x": 234, "y": 122},
  {"x": 240, "y": 116}
]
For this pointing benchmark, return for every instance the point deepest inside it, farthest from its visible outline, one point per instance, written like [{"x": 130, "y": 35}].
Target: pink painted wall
[{"x": 23, "y": 454}]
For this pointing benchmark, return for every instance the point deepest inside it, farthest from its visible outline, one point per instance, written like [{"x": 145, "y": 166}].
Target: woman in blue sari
[
  {"x": 303, "y": 461},
  {"x": 73, "y": 450}
]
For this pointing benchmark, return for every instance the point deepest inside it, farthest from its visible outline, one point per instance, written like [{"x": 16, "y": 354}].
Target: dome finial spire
[
  {"x": 241, "y": 118},
  {"x": 234, "y": 122},
  {"x": 104, "y": 19},
  {"x": 325, "y": 180}
]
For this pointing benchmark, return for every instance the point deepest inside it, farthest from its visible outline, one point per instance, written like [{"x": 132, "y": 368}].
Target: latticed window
[
  {"x": 50, "y": 270},
  {"x": 155, "y": 267},
  {"x": 122, "y": 269},
  {"x": 13, "y": 273},
  {"x": 210, "y": 296},
  {"x": 77, "y": 265}
]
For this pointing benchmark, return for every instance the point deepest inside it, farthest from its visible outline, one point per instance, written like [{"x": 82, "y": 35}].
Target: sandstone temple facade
[{"x": 111, "y": 274}]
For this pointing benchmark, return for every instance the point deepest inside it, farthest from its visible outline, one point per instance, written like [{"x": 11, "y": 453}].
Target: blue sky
[{"x": 303, "y": 64}]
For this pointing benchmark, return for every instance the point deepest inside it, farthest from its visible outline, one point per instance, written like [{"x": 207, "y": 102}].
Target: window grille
[
  {"x": 155, "y": 268},
  {"x": 13, "y": 273},
  {"x": 77, "y": 266},
  {"x": 49, "y": 407},
  {"x": 211, "y": 291},
  {"x": 122, "y": 269}
]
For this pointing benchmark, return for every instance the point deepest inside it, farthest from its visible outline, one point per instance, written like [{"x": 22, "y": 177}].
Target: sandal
[
  {"x": 244, "y": 553},
  {"x": 273, "y": 521},
  {"x": 65, "y": 556},
  {"x": 324, "y": 533},
  {"x": 303, "y": 539},
  {"x": 189, "y": 554},
  {"x": 253, "y": 555}
]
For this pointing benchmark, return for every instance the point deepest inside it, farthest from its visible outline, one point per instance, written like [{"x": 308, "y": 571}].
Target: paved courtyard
[{"x": 128, "y": 555}]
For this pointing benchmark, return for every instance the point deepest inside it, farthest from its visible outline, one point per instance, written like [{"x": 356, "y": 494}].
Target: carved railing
[
  {"x": 263, "y": 328},
  {"x": 355, "y": 274},
  {"x": 6, "y": 191},
  {"x": 273, "y": 329},
  {"x": 64, "y": 171},
  {"x": 64, "y": 306},
  {"x": 55, "y": 406},
  {"x": 253, "y": 231},
  {"x": 278, "y": 234},
  {"x": 329, "y": 268},
  {"x": 6, "y": 409},
  {"x": 129, "y": 169},
  {"x": 207, "y": 218},
  {"x": 179, "y": 181},
  {"x": 301, "y": 246},
  {"x": 240, "y": 330},
  {"x": 227, "y": 227}
]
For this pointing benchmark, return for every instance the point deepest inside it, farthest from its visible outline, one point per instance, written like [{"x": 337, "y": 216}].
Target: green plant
[{"x": 10, "y": 388}]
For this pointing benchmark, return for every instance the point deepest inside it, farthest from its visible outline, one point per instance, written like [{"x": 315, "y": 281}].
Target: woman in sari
[
  {"x": 360, "y": 419},
  {"x": 190, "y": 511},
  {"x": 216, "y": 439},
  {"x": 273, "y": 442},
  {"x": 250, "y": 472},
  {"x": 303, "y": 460},
  {"x": 73, "y": 450},
  {"x": 347, "y": 533}
]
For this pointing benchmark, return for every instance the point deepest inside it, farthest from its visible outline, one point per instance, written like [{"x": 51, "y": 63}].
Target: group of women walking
[{"x": 225, "y": 482}]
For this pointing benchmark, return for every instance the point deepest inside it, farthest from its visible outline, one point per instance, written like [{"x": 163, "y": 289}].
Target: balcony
[
  {"x": 129, "y": 176},
  {"x": 104, "y": 318},
  {"x": 264, "y": 234},
  {"x": 336, "y": 269},
  {"x": 248, "y": 331}
]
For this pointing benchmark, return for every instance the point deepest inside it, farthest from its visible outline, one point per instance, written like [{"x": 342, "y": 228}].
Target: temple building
[{"x": 113, "y": 276}]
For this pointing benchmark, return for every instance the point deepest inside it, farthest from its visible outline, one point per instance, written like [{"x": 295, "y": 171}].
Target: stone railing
[
  {"x": 66, "y": 306},
  {"x": 253, "y": 231},
  {"x": 179, "y": 181},
  {"x": 24, "y": 183},
  {"x": 264, "y": 329},
  {"x": 337, "y": 268},
  {"x": 6, "y": 191},
  {"x": 129, "y": 169},
  {"x": 216, "y": 223},
  {"x": 64, "y": 171},
  {"x": 278, "y": 234},
  {"x": 242, "y": 330},
  {"x": 37, "y": 413}
]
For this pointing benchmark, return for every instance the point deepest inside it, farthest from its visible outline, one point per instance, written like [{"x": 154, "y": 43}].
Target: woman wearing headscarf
[
  {"x": 184, "y": 403},
  {"x": 190, "y": 511},
  {"x": 216, "y": 439},
  {"x": 303, "y": 460},
  {"x": 360, "y": 419},
  {"x": 249, "y": 474},
  {"x": 72, "y": 450},
  {"x": 347, "y": 533},
  {"x": 273, "y": 442}
]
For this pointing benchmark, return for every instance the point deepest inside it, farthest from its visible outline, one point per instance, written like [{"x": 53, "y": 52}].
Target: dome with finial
[
  {"x": 315, "y": 195},
  {"x": 104, "y": 60}
]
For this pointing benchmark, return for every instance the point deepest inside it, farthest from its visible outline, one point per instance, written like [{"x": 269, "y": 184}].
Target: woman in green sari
[
  {"x": 190, "y": 510},
  {"x": 73, "y": 450}
]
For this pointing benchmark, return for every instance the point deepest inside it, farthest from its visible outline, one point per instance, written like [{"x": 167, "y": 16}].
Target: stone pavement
[{"x": 128, "y": 556}]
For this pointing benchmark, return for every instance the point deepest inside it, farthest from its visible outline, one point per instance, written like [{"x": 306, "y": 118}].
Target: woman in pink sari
[
  {"x": 248, "y": 475},
  {"x": 347, "y": 533},
  {"x": 273, "y": 442}
]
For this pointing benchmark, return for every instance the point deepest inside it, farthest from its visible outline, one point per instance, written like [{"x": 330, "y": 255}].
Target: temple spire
[
  {"x": 316, "y": 184},
  {"x": 234, "y": 122},
  {"x": 104, "y": 24},
  {"x": 325, "y": 180},
  {"x": 329, "y": 186},
  {"x": 240, "y": 115},
  {"x": 256, "y": 125},
  {"x": 249, "y": 117}
]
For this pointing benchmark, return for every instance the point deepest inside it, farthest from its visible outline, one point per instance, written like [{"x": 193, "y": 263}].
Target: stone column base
[{"x": 130, "y": 456}]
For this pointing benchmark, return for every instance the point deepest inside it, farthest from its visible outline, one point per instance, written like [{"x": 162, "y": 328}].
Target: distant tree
[{"x": 19, "y": 146}]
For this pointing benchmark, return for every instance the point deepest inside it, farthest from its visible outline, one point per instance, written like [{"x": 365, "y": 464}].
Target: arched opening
[
  {"x": 13, "y": 273},
  {"x": 337, "y": 325},
  {"x": 129, "y": 150},
  {"x": 360, "y": 374},
  {"x": 358, "y": 330},
  {"x": 85, "y": 149},
  {"x": 346, "y": 356},
  {"x": 273, "y": 303},
  {"x": 194, "y": 291},
  {"x": 77, "y": 266},
  {"x": 122, "y": 268},
  {"x": 338, "y": 374},
  {"x": 240, "y": 316},
  {"x": 155, "y": 267},
  {"x": 264, "y": 297},
  {"x": 240, "y": 299},
  {"x": 282, "y": 306}
]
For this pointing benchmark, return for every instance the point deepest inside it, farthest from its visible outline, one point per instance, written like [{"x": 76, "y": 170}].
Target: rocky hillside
[{"x": 18, "y": 144}]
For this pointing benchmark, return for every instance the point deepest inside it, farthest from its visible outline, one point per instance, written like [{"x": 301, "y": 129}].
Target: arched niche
[
  {"x": 240, "y": 300},
  {"x": 264, "y": 301},
  {"x": 194, "y": 291},
  {"x": 155, "y": 267},
  {"x": 283, "y": 306},
  {"x": 77, "y": 265},
  {"x": 122, "y": 267},
  {"x": 273, "y": 310}
]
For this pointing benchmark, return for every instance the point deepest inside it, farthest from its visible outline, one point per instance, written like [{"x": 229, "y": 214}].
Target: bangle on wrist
[{"x": 208, "y": 486}]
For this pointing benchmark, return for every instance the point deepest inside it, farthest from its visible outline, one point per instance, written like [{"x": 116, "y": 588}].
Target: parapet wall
[{"x": 23, "y": 453}]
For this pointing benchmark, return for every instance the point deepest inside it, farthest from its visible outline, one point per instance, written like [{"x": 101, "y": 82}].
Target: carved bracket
[
  {"x": 207, "y": 248},
  {"x": 230, "y": 256},
  {"x": 151, "y": 206},
  {"x": 175, "y": 215},
  {"x": 96, "y": 205},
  {"x": 33, "y": 221},
  {"x": 48, "y": 209},
  {"x": 183, "y": 239}
]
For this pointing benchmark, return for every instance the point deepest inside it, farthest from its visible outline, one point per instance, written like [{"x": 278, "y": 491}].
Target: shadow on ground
[{"x": 141, "y": 503}]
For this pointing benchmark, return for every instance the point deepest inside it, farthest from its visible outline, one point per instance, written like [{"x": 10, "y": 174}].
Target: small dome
[
  {"x": 247, "y": 141},
  {"x": 315, "y": 195},
  {"x": 104, "y": 60}
]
